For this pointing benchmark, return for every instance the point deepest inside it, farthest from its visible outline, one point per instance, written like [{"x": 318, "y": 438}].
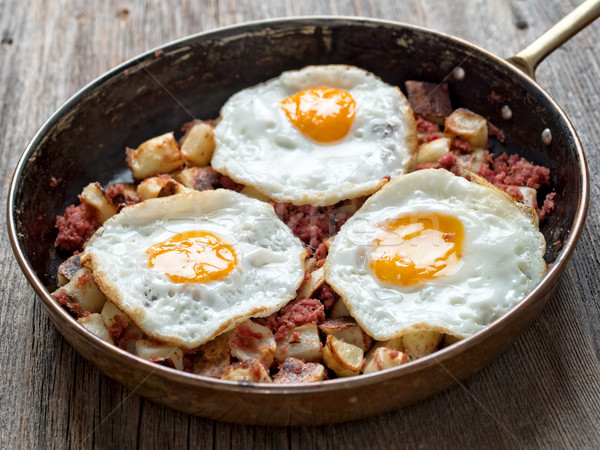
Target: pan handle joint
[{"x": 528, "y": 59}]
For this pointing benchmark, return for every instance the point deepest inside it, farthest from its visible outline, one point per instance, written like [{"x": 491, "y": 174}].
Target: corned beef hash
[{"x": 324, "y": 226}]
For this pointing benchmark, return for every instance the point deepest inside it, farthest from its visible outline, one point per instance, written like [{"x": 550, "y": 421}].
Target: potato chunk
[
  {"x": 384, "y": 358},
  {"x": 344, "y": 359},
  {"x": 198, "y": 144},
  {"x": 95, "y": 325},
  {"x": 114, "y": 319},
  {"x": 199, "y": 178},
  {"x": 293, "y": 370},
  {"x": 249, "y": 371},
  {"x": 167, "y": 355},
  {"x": 93, "y": 195},
  {"x": 159, "y": 186},
  {"x": 467, "y": 126},
  {"x": 308, "y": 287},
  {"x": 348, "y": 330},
  {"x": 83, "y": 292},
  {"x": 339, "y": 309},
  {"x": 421, "y": 343},
  {"x": 67, "y": 269},
  {"x": 302, "y": 343},
  {"x": 213, "y": 358},
  {"x": 430, "y": 152},
  {"x": 250, "y": 340},
  {"x": 155, "y": 156}
]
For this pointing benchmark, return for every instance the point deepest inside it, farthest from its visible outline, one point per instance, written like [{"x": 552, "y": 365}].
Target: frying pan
[{"x": 158, "y": 91}]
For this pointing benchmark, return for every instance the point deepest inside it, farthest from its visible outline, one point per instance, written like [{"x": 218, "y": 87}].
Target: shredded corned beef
[
  {"x": 320, "y": 254},
  {"x": 327, "y": 296},
  {"x": 117, "y": 327},
  {"x": 462, "y": 146},
  {"x": 425, "y": 126},
  {"x": 514, "y": 171},
  {"x": 67, "y": 301},
  {"x": 547, "y": 207},
  {"x": 448, "y": 161},
  {"x": 496, "y": 132},
  {"x": 299, "y": 312},
  {"x": 311, "y": 224},
  {"x": 75, "y": 227}
]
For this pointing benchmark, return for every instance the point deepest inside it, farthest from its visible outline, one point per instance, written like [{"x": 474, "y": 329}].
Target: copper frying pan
[{"x": 156, "y": 92}]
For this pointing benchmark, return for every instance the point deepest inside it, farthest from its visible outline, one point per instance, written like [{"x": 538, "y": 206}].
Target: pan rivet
[
  {"x": 547, "y": 136},
  {"x": 506, "y": 112},
  {"x": 459, "y": 73}
]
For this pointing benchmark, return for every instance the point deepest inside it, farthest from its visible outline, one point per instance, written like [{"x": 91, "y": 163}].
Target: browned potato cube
[
  {"x": 159, "y": 186},
  {"x": 421, "y": 343},
  {"x": 302, "y": 343},
  {"x": 155, "y": 156},
  {"x": 155, "y": 352},
  {"x": 430, "y": 152},
  {"x": 93, "y": 195},
  {"x": 339, "y": 309},
  {"x": 430, "y": 100},
  {"x": 213, "y": 358},
  {"x": 95, "y": 325},
  {"x": 114, "y": 319},
  {"x": 249, "y": 371},
  {"x": 344, "y": 359},
  {"x": 346, "y": 329},
  {"x": 467, "y": 126},
  {"x": 83, "y": 291},
  {"x": 308, "y": 287},
  {"x": 384, "y": 358},
  {"x": 67, "y": 269},
  {"x": 293, "y": 370},
  {"x": 198, "y": 144},
  {"x": 250, "y": 340},
  {"x": 199, "y": 178}
]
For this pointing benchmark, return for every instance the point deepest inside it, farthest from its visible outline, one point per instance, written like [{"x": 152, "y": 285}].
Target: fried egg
[
  {"x": 316, "y": 136},
  {"x": 434, "y": 251},
  {"x": 189, "y": 267}
]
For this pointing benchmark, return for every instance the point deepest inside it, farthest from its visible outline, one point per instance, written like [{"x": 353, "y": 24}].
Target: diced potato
[
  {"x": 475, "y": 159},
  {"x": 430, "y": 152},
  {"x": 84, "y": 291},
  {"x": 199, "y": 178},
  {"x": 467, "y": 126},
  {"x": 93, "y": 195},
  {"x": 430, "y": 100},
  {"x": 421, "y": 343},
  {"x": 384, "y": 358},
  {"x": 213, "y": 358},
  {"x": 155, "y": 156},
  {"x": 127, "y": 197},
  {"x": 339, "y": 309},
  {"x": 529, "y": 196},
  {"x": 160, "y": 186},
  {"x": 198, "y": 144},
  {"x": 252, "y": 192},
  {"x": 250, "y": 340},
  {"x": 344, "y": 359},
  {"x": 67, "y": 269},
  {"x": 95, "y": 325},
  {"x": 113, "y": 317},
  {"x": 302, "y": 343},
  {"x": 293, "y": 370},
  {"x": 160, "y": 353},
  {"x": 248, "y": 371},
  {"x": 346, "y": 329},
  {"x": 308, "y": 287}
]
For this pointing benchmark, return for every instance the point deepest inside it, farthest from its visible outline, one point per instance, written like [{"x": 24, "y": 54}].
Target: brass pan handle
[{"x": 528, "y": 59}]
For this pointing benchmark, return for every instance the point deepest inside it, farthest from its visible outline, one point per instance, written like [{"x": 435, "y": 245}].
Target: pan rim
[{"x": 252, "y": 27}]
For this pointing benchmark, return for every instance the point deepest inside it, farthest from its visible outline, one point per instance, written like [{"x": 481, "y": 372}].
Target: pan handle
[{"x": 528, "y": 59}]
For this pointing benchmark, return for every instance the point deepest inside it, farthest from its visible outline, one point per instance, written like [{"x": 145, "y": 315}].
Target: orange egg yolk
[
  {"x": 322, "y": 114},
  {"x": 193, "y": 257},
  {"x": 417, "y": 248}
]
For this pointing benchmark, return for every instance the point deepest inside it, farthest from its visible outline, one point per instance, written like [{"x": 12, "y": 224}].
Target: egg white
[
  {"x": 257, "y": 145},
  {"x": 270, "y": 265},
  {"x": 501, "y": 262}
]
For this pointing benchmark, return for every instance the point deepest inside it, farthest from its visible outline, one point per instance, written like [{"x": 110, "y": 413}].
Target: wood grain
[{"x": 543, "y": 393}]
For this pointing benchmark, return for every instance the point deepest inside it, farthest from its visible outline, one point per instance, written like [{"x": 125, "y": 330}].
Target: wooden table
[{"x": 543, "y": 393}]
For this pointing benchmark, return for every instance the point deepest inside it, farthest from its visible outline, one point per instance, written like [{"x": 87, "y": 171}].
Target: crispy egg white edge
[
  {"x": 223, "y": 159},
  {"x": 138, "y": 313},
  {"x": 408, "y": 182}
]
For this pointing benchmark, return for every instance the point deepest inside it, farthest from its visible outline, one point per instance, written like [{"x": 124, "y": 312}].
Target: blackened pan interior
[{"x": 159, "y": 91}]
